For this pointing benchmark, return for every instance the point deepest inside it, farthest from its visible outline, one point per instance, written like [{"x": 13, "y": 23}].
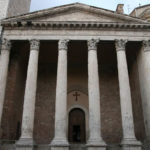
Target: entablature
[{"x": 73, "y": 25}]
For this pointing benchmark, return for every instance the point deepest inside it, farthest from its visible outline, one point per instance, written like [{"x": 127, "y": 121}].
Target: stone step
[
  {"x": 113, "y": 147},
  {"x": 77, "y": 147},
  {"x": 7, "y": 147},
  {"x": 71, "y": 147}
]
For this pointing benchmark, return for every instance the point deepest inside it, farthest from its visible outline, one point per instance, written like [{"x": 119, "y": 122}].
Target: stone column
[
  {"x": 129, "y": 141},
  {"x": 26, "y": 139},
  {"x": 95, "y": 141},
  {"x": 146, "y": 91},
  {"x": 60, "y": 137},
  {"x": 4, "y": 61}
]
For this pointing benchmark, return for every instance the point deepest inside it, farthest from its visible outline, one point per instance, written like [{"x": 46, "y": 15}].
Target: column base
[
  {"x": 59, "y": 144},
  {"x": 25, "y": 144},
  {"x": 96, "y": 145},
  {"x": 59, "y": 141},
  {"x": 131, "y": 144}
]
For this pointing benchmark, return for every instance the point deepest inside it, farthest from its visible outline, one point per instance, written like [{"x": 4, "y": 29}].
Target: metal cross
[{"x": 76, "y": 95}]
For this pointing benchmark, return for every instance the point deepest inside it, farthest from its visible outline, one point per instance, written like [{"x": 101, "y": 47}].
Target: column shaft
[
  {"x": 145, "y": 86},
  {"x": 30, "y": 95},
  {"x": 94, "y": 96},
  {"x": 60, "y": 137},
  {"x": 125, "y": 95},
  {"x": 4, "y": 61}
]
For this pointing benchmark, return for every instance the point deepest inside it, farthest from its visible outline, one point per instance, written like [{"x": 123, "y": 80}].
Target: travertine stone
[
  {"x": 125, "y": 99},
  {"x": 4, "y": 61},
  {"x": 59, "y": 148},
  {"x": 97, "y": 148},
  {"x": 146, "y": 106},
  {"x": 30, "y": 96},
  {"x": 60, "y": 137},
  {"x": 94, "y": 98}
]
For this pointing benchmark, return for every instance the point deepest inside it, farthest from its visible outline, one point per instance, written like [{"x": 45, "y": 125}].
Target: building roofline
[
  {"x": 139, "y": 7},
  {"x": 67, "y": 5}
]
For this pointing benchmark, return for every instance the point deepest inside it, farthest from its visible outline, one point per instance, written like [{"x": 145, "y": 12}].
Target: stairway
[{"x": 83, "y": 147}]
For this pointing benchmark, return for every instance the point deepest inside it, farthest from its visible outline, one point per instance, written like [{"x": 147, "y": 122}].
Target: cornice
[{"x": 73, "y": 25}]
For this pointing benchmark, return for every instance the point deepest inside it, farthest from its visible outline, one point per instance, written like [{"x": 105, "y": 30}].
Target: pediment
[
  {"x": 76, "y": 12},
  {"x": 77, "y": 15}
]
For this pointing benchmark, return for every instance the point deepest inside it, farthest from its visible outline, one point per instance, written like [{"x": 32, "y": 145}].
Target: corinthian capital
[
  {"x": 34, "y": 44},
  {"x": 120, "y": 45},
  {"x": 146, "y": 45},
  {"x": 63, "y": 44},
  {"x": 6, "y": 44},
  {"x": 92, "y": 44}
]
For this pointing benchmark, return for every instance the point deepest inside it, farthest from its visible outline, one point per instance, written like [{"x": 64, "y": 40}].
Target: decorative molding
[
  {"x": 73, "y": 25},
  {"x": 146, "y": 45},
  {"x": 63, "y": 44},
  {"x": 120, "y": 45},
  {"x": 34, "y": 44},
  {"x": 6, "y": 44},
  {"x": 92, "y": 44}
]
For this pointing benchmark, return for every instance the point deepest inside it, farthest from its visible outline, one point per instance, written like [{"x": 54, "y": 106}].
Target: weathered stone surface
[{"x": 111, "y": 126}]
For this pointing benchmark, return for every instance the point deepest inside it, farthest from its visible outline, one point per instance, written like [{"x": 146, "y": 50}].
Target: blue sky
[{"x": 129, "y": 5}]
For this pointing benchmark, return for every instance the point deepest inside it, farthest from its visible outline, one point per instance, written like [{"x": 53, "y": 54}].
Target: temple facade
[{"x": 74, "y": 77}]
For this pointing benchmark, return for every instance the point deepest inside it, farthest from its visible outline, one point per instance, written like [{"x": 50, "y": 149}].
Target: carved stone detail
[
  {"x": 34, "y": 44},
  {"x": 146, "y": 45},
  {"x": 92, "y": 44},
  {"x": 63, "y": 44},
  {"x": 6, "y": 44},
  {"x": 120, "y": 44}
]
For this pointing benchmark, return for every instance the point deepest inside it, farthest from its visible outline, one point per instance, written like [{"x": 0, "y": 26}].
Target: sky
[{"x": 129, "y": 5}]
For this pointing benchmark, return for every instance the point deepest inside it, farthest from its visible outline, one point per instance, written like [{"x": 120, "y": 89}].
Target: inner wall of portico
[
  {"x": 14, "y": 96},
  {"x": 77, "y": 82}
]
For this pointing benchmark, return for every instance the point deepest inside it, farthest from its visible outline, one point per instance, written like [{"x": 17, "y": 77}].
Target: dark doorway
[{"x": 77, "y": 126}]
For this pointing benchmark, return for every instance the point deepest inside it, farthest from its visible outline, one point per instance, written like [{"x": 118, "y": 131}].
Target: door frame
[{"x": 86, "y": 119}]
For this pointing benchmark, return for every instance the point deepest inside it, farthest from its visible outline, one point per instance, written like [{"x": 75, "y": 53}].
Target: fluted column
[
  {"x": 95, "y": 138},
  {"x": 146, "y": 91},
  {"x": 4, "y": 61},
  {"x": 60, "y": 137},
  {"x": 30, "y": 96},
  {"x": 129, "y": 141}
]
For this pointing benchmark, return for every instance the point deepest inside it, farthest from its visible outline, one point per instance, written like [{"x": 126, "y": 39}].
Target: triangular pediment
[
  {"x": 76, "y": 12},
  {"x": 77, "y": 15}
]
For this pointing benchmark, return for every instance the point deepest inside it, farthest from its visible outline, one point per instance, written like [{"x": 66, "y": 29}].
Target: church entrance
[{"x": 77, "y": 126}]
